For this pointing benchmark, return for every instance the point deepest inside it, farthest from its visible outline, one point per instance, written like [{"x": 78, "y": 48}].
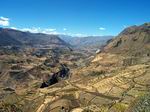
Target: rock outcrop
[{"x": 54, "y": 78}]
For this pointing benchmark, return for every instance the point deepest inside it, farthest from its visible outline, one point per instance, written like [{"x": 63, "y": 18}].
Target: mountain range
[
  {"x": 11, "y": 37},
  {"x": 116, "y": 79},
  {"x": 16, "y": 37},
  {"x": 84, "y": 42}
]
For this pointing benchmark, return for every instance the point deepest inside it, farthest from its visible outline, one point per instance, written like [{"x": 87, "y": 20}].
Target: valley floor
[{"x": 111, "y": 83}]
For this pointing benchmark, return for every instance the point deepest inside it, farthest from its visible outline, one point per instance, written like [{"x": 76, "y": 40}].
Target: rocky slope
[{"x": 134, "y": 40}]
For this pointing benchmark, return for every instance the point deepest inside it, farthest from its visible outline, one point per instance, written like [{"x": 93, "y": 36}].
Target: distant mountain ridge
[
  {"x": 89, "y": 41},
  {"x": 16, "y": 37}
]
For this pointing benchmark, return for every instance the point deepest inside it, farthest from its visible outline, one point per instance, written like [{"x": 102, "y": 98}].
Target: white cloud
[
  {"x": 32, "y": 30},
  {"x": 39, "y": 30},
  {"x": 13, "y": 28},
  {"x": 50, "y": 30},
  {"x": 4, "y": 21},
  {"x": 4, "y": 18},
  {"x": 79, "y": 35},
  {"x": 64, "y": 29},
  {"x": 101, "y": 28}
]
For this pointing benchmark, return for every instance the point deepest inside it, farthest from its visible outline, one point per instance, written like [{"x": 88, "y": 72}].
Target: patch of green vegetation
[
  {"x": 95, "y": 108},
  {"x": 96, "y": 73},
  {"x": 12, "y": 99},
  {"x": 147, "y": 24},
  {"x": 120, "y": 107},
  {"x": 36, "y": 85},
  {"x": 24, "y": 103},
  {"x": 6, "y": 107},
  {"x": 12, "y": 105},
  {"x": 141, "y": 104},
  {"x": 87, "y": 110}
]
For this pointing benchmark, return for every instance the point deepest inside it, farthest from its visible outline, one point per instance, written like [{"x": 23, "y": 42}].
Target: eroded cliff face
[{"x": 56, "y": 77}]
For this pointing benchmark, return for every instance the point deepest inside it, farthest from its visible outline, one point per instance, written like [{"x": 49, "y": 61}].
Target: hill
[
  {"x": 18, "y": 38},
  {"x": 134, "y": 40}
]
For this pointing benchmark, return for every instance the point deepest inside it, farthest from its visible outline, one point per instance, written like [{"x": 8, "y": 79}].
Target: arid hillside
[
  {"x": 117, "y": 79},
  {"x": 134, "y": 40},
  {"x": 11, "y": 37}
]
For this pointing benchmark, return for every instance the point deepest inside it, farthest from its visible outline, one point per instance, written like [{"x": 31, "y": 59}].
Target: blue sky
[{"x": 74, "y": 17}]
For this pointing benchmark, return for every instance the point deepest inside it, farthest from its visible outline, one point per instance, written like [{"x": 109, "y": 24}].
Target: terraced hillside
[
  {"x": 111, "y": 81},
  {"x": 115, "y": 91}
]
